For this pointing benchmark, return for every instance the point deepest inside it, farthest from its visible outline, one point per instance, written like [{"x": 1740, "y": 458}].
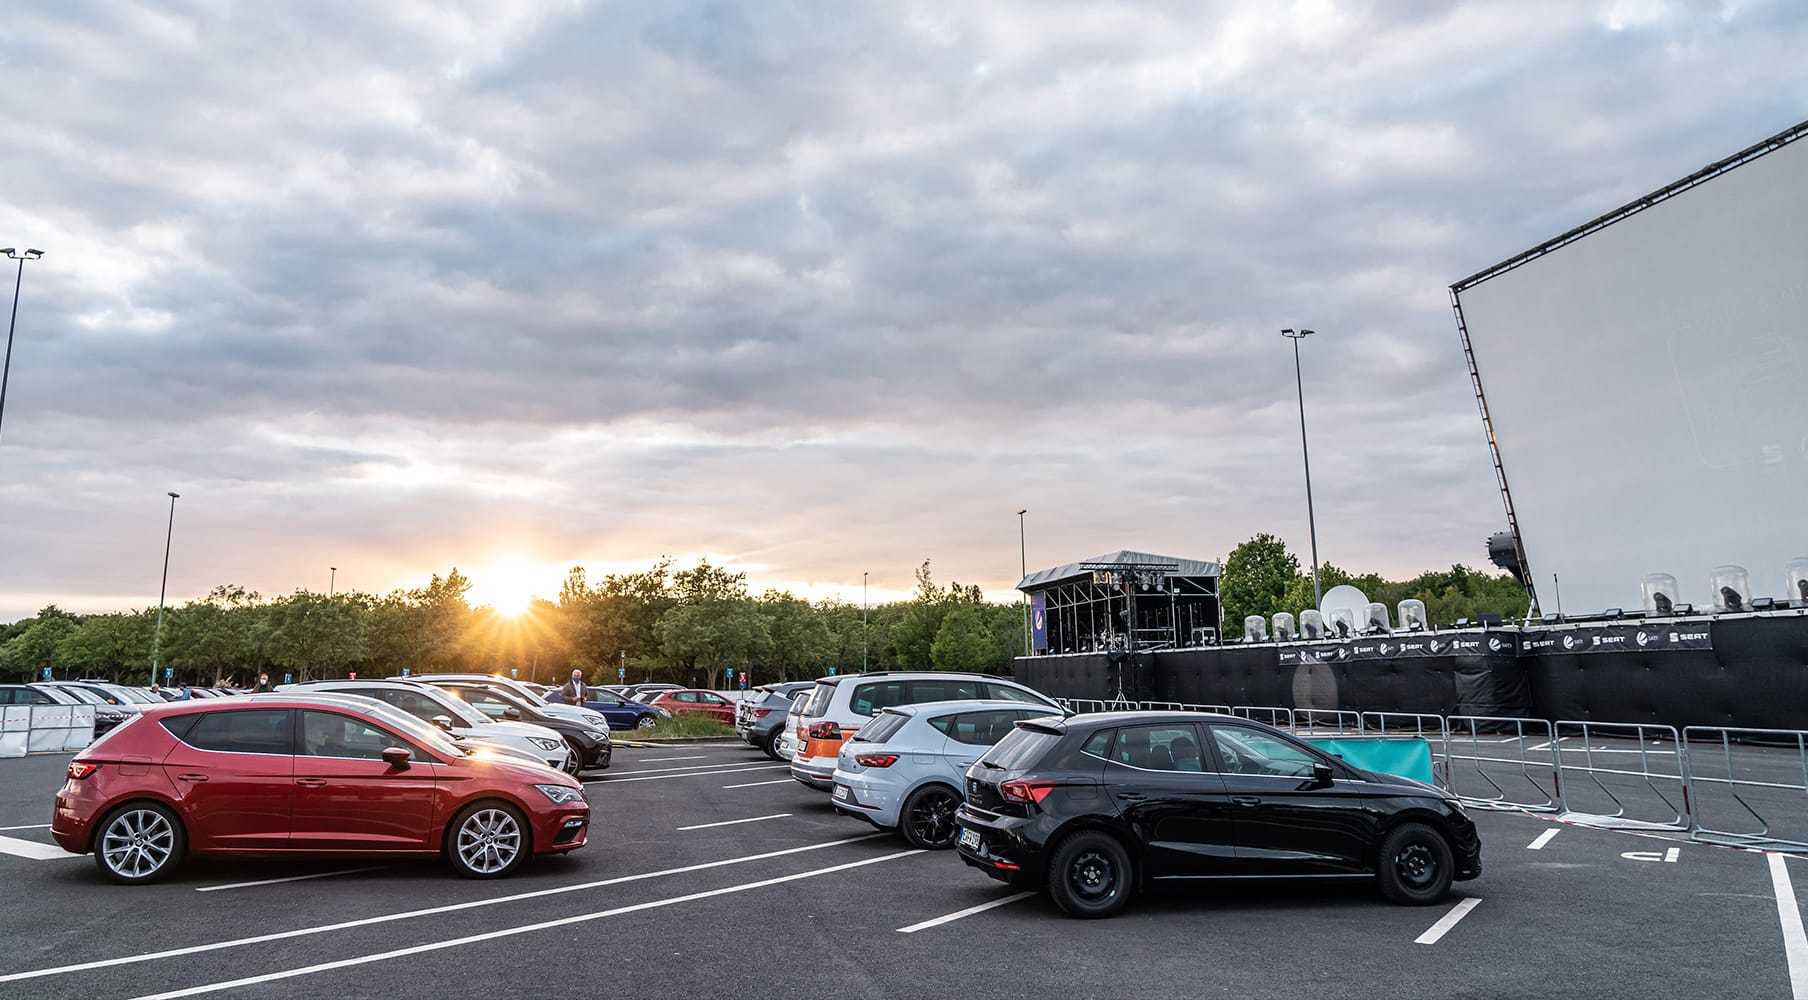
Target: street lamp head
[
  {"x": 1022, "y": 512},
  {"x": 1295, "y": 334},
  {"x": 174, "y": 496},
  {"x": 7, "y": 251},
  {"x": 34, "y": 254}
]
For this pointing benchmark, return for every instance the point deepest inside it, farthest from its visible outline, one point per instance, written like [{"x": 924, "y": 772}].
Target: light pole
[
  {"x": 1023, "y": 570},
  {"x": 332, "y": 578},
  {"x": 18, "y": 279},
  {"x": 1299, "y": 385},
  {"x": 863, "y": 638},
  {"x": 157, "y": 639}
]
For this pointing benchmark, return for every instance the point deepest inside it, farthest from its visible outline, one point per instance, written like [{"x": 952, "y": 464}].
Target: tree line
[{"x": 695, "y": 626}]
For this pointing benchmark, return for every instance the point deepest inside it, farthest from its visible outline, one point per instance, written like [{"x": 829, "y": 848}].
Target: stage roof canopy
[{"x": 1042, "y": 579}]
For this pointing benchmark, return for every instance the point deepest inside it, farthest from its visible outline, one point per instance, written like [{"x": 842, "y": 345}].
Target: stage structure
[{"x": 1123, "y": 602}]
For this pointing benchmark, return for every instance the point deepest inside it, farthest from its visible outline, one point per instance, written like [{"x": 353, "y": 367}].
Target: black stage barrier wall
[{"x": 1746, "y": 671}]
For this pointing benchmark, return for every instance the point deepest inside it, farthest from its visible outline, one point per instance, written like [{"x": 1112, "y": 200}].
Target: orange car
[{"x": 841, "y": 705}]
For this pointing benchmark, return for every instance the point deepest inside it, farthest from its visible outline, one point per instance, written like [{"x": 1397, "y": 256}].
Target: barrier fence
[
  {"x": 1719, "y": 785},
  {"x": 37, "y": 728}
]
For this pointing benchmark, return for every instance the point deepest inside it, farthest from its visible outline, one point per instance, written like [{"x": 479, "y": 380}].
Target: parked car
[
  {"x": 840, "y": 705},
  {"x": 904, "y": 770},
  {"x": 691, "y": 701},
  {"x": 522, "y": 691},
  {"x": 760, "y": 719},
  {"x": 786, "y": 745},
  {"x": 455, "y": 716},
  {"x": 28, "y": 694},
  {"x": 638, "y": 690},
  {"x": 618, "y": 709},
  {"x": 107, "y": 714},
  {"x": 280, "y": 775},
  {"x": 589, "y": 741},
  {"x": 1093, "y": 808}
]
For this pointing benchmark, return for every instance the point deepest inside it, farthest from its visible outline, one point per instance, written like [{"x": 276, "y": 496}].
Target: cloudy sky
[{"x": 812, "y": 288}]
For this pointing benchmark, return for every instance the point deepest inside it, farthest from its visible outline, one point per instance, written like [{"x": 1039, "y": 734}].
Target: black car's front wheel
[
  {"x": 1089, "y": 875},
  {"x": 927, "y": 819},
  {"x": 1415, "y": 868}
]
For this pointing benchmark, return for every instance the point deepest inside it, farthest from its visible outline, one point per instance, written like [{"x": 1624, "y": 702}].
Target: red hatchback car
[
  {"x": 697, "y": 702},
  {"x": 315, "y": 775}
]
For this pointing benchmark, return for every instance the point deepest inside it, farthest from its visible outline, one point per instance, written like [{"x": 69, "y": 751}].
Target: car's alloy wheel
[
  {"x": 1090, "y": 875},
  {"x": 139, "y": 843},
  {"x": 574, "y": 758},
  {"x": 488, "y": 842},
  {"x": 646, "y": 722},
  {"x": 1415, "y": 865},
  {"x": 928, "y": 820},
  {"x": 772, "y": 743}
]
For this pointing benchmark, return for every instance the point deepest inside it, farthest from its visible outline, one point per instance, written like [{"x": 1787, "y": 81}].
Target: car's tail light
[
  {"x": 875, "y": 759},
  {"x": 79, "y": 769},
  {"x": 823, "y": 731},
  {"x": 1026, "y": 791},
  {"x": 761, "y": 713}
]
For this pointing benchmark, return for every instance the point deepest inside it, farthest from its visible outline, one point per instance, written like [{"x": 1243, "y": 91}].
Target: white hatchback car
[{"x": 904, "y": 770}]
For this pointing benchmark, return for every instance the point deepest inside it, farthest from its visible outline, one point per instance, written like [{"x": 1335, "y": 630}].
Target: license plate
[
  {"x": 970, "y": 839},
  {"x": 841, "y": 792}
]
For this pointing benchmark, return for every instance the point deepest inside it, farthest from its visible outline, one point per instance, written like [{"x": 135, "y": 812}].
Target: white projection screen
[{"x": 1647, "y": 379}]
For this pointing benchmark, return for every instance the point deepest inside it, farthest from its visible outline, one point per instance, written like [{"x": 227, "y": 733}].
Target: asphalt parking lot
[{"x": 710, "y": 873}]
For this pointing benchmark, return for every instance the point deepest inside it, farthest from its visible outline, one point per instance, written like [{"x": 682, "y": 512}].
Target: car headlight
[
  {"x": 544, "y": 743},
  {"x": 599, "y": 737},
  {"x": 662, "y": 712},
  {"x": 560, "y": 794}
]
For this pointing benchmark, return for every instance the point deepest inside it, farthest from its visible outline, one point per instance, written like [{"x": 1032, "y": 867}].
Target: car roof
[
  {"x": 1140, "y": 717},
  {"x": 913, "y": 675},
  {"x": 354, "y": 702},
  {"x": 965, "y": 705}
]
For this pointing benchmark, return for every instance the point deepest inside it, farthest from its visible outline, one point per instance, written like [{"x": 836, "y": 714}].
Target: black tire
[
  {"x": 1089, "y": 875},
  {"x": 771, "y": 744},
  {"x": 139, "y": 842},
  {"x": 927, "y": 819},
  {"x": 488, "y": 840},
  {"x": 1415, "y": 867}
]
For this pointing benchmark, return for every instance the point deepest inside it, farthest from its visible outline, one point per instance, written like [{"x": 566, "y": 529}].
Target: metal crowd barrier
[
  {"x": 1708, "y": 757},
  {"x": 1640, "y": 745},
  {"x": 1279, "y": 718},
  {"x": 1323, "y": 720},
  {"x": 1521, "y": 767}
]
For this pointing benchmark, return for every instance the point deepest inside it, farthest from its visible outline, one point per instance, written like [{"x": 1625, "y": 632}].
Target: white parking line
[
  {"x": 655, "y": 760},
  {"x": 523, "y": 929},
  {"x": 688, "y": 774},
  {"x": 674, "y": 770},
  {"x": 292, "y": 878},
  {"x": 1449, "y": 920},
  {"x": 1795, "y": 943},
  {"x": 756, "y": 784},
  {"x": 735, "y": 822},
  {"x": 1543, "y": 839},
  {"x": 105, "y": 963},
  {"x": 969, "y": 911},
  {"x": 32, "y": 850},
  {"x": 29, "y": 826}
]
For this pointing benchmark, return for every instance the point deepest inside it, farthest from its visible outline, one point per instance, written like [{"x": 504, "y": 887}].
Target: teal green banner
[{"x": 1406, "y": 758}]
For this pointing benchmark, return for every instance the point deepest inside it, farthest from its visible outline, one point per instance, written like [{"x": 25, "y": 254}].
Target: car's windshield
[
  {"x": 412, "y": 727},
  {"x": 57, "y": 695},
  {"x": 135, "y": 697},
  {"x": 84, "y": 695}
]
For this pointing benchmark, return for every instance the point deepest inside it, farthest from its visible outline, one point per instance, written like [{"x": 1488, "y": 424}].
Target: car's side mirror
[
  {"x": 396, "y": 756},
  {"x": 443, "y": 721},
  {"x": 1321, "y": 775},
  {"x": 512, "y": 714}
]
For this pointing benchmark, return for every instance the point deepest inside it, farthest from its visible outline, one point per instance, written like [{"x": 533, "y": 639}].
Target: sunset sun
[{"x": 508, "y": 587}]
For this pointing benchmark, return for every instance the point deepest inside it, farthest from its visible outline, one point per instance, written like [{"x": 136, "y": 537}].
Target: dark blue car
[{"x": 621, "y": 713}]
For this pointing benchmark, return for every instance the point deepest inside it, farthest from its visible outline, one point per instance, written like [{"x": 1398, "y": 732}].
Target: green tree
[
  {"x": 802, "y": 643},
  {"x": 116, "y": 646},
  {"x": 311, "y": 635},
  {"x": 1255, "y": 580},
  {"x": 210, "y": 640},
  {"x": 35, "y": 646},
  {"x": 966, "y": 642}
]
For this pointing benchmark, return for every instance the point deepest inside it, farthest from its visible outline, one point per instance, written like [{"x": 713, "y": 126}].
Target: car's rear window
[
  {"x": 820, "y": 697},
  {"x": 1020, "y": 748},
  {"x": 881, "y": 729}
]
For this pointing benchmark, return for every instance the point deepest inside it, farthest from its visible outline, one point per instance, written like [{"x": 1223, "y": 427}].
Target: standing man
[{"x": 572, "y": 693}]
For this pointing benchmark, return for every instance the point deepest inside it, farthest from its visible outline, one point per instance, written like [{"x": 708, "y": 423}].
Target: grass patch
[{"x": 682, "y": 724}]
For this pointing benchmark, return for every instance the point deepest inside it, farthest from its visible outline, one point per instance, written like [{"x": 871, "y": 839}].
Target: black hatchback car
[{"x": 1092, "y": 808}]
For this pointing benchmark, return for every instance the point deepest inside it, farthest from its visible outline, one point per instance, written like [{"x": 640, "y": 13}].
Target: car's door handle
[
  {"x": 196, "y": 778},
  {"x": 311, "y": 782},
  {"x": 1246, "y": 800},
  {"x": 1131, "y": 796}
]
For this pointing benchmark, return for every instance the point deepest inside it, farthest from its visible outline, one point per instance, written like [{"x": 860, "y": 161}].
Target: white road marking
[
  {"x": 756, "y": 784},
  {"x": 969, "y": 911},
  {"x": 431, "y": 911},
  {"x": 33, "y": 850},
  {"x": 1543, "y": 839},
  {"x": 682, "y": 767},
  {"x": 655, "y": 760},
  {"x": 523, "y": 929},
  {"x": 688, "y": 774},
  {"x": 735, "y": 822},
  {"x": 1672, "y": 854},
  {"x": 29, "y": 826},
  {"x": 1447, "y": 921},
  {"x": 291, "y": 878},
  {"x": 1795, "y": 943}
]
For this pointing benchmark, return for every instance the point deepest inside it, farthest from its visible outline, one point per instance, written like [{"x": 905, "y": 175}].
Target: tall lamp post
[
  {"x": 1023, "y": 570},
  {"x": 863, "y": 633},
  {"x": 1299, "y": 385},
  {"x": 332, "y": 578},
  {"x": 157, "y": 639},
  {"x": 18, "y": 279}
]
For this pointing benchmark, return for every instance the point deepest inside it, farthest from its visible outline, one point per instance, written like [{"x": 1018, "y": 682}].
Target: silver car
[{"x": 904, "y": 770}]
